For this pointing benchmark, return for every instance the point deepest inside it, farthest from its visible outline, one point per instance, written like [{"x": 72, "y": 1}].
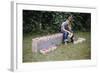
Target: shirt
[{"x": 64, "y": 26}]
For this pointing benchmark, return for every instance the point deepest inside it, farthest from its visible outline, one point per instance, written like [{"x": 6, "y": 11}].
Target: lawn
[{"x": 71, "y": 51}]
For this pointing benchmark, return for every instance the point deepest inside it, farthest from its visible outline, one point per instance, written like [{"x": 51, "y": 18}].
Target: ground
[{"x": 63, "y": 52}]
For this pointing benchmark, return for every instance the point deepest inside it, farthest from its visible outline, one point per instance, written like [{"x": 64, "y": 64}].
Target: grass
[{"x": 71, "y": 51}]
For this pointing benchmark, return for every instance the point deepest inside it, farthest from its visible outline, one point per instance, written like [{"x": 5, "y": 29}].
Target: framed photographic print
[{"x": 52, "y": 36}]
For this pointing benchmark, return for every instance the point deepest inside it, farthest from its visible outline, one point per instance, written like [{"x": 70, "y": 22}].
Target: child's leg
[
  {"x": 65, "y": 36},
  {"x": 72, "y": 38}
]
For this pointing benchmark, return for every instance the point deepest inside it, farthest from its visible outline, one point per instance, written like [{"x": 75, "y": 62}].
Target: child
[{"x": 66, "y": 29}]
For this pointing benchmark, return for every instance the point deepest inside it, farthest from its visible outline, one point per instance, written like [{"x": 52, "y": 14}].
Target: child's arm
[{"x": 63, "y": 28}]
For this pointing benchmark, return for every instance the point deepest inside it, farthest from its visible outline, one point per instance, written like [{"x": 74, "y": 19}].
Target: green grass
[{"x": 71, "y": 51}]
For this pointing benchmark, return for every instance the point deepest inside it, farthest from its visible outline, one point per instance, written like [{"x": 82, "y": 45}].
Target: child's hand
[
  {"x": 68, "y": 32},
  {"x": 70, "y": 35}
]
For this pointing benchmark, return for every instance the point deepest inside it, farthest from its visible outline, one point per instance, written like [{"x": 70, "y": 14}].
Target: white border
[{"x": 17, "y": 37}]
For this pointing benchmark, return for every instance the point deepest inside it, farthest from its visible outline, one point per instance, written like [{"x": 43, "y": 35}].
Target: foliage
[{"x": 50, "y": 21}]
